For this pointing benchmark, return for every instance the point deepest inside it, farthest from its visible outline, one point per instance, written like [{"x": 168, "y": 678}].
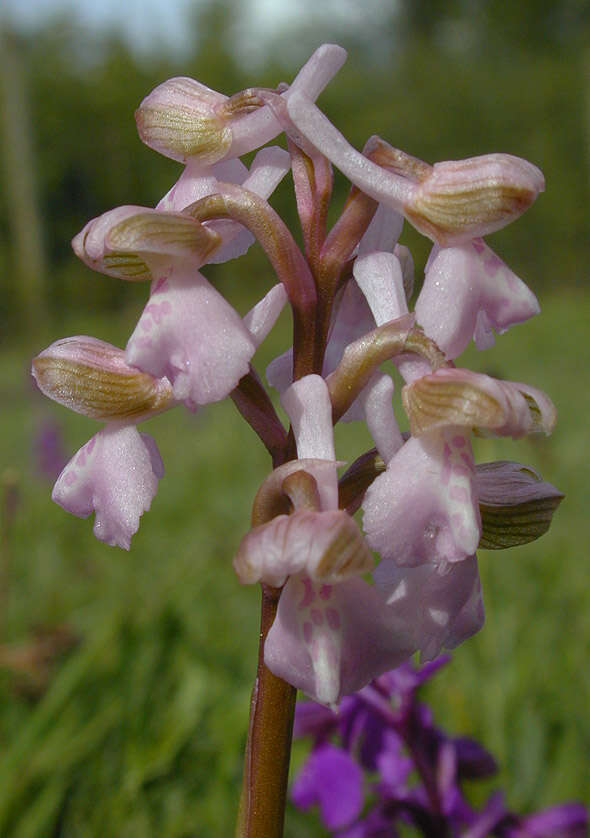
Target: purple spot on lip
[
  {"x": 308, "y": 594},
  {"x": 460, "y": 471},
  {"x": 445, "y": 474},
  {"x": 459, "y": 441},
  {"x": 333, "y": 618},
  {"x": 492, "y": 264},
  {"x": 317, "y": 616},
  {"x": 158, "y": 310},
  {"x": 160, "y": 285}
]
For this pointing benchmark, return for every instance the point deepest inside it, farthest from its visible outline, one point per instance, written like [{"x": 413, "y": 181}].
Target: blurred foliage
[
  {"x": 440, "y": 80},
  {"x": 139, "y": 730}
]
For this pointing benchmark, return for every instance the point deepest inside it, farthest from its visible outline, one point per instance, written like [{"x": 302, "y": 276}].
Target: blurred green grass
[{"x": 141, "y": 729}]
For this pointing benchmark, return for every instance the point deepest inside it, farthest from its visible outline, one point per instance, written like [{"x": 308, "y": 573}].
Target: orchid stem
[{"x": 268, "y": 749}]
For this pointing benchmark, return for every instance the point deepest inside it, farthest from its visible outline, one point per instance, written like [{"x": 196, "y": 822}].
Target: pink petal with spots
[
  {"x": 197, "y": 339},
  {"x": 424, "y": 506},
  {"x": 469, "y": 293},
  {"x": 355, "y": 637},
  {"x": 114, "y": 475},
  {"x": 442, "y": 602}
]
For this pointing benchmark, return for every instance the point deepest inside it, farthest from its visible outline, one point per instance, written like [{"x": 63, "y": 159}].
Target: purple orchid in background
[
  {"x": 337, "y": 619},
  {"x": 381, "y": 763},
  {"x": 49, "y": 450}
]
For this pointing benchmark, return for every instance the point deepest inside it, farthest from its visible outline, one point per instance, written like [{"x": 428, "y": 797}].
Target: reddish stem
[{"x": 268, "y": 749}]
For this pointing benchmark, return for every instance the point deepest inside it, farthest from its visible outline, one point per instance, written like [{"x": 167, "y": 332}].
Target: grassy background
[{"x": 139, "y": 728}]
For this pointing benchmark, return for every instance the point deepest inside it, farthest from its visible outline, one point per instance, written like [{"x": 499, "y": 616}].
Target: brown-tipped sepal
[
  {"x": 183, "y": 118},
  {"x": 459, "y": 397},
  {"x": 464, "y": 199},
  {"x": 327, "y": 546},
  {"x": 397, "y": 161},
  {"x": 91, "y": 377},
  {"x": 123, "y": 241}
]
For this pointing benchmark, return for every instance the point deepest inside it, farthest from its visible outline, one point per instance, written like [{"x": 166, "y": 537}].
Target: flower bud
[
  {"x": 459, "y": 397},
  {"x": 183, "y": 118},
  {"x": 91, "y": 377},
  {"x": 463, "y": 199}
]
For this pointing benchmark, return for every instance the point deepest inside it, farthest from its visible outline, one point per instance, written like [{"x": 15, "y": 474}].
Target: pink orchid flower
[
  {"x": 331, "y": 634},
  {"x": 115, "y": 474}
]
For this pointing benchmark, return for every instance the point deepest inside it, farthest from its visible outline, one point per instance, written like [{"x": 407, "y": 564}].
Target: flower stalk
[{"x": 263, "y": 796}]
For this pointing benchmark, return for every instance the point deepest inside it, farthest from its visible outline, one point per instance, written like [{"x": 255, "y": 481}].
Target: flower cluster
[
  {"x": 426, "y": 504},
  {"x": 384, "y": 742}
]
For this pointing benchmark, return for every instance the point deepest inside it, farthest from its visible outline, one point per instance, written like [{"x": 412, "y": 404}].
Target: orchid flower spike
[{"x": 426, "y": 506}]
